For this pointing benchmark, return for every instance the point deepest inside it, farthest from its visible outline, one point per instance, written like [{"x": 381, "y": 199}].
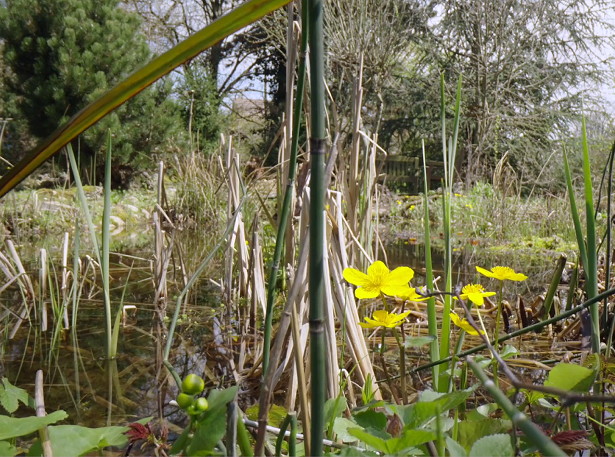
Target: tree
[
  {"x": 65, "y": 54},
  {"x": 529, "y": 69}
]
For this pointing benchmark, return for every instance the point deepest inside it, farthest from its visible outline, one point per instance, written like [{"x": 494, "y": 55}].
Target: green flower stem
[{"x": 402, "y": 365}]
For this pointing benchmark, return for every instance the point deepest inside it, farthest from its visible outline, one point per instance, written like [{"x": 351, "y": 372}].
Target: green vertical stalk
[
  {"x": 111, "y": 346},
  {"x": 317, "y": 228},
  {"x": 432, "y": 318},
  {"x": 591, "y": 268},
  {"x": 449, "y": 154},
  {"x": 292, "y": 171}
]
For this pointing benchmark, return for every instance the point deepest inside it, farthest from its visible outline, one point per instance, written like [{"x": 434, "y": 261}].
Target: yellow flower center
[{"x": 473, "y": 289}]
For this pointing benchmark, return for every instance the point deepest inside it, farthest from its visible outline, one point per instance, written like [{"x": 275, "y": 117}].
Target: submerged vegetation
[{"x": 222, "y": 306}]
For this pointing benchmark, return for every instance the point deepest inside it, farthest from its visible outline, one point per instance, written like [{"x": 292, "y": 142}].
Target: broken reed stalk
[
  {"x": 290, "y": 185},
  {"x": 39, "y": 401},
  {"x": 317, "y": 226}
]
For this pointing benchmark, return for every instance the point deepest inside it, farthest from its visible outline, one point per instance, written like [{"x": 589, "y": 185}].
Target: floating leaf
[
  {"x": 568, "y": 376},
  {"x": 499, "y": 445}
]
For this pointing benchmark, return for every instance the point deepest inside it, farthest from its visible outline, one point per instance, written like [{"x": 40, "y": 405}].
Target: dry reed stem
[{"x": 39, "y": 400}]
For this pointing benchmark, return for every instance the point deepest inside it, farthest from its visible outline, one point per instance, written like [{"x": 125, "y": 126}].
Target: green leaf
[
  {"x": 226, "y": 25},
  {"x": 454, "y": 448},
  {"x": 10, "y": 396},
  {"x": 499, "y": 445},
  {"x": 223, "y": 397},
  {"x": 334, "y": 407},
  {"x": 378, "y": 444},
  {"x": 356, "y": 452},
  {"x": 568, "y": 376},
  {"x": 7, "y": 449},
  {"x": 211, "y": 428},
  {"x": 421, "y": 412},
  {"x": 75, "y": 440},
  {"x": 394, "y": 446},
  {"x": 470, "y": 431},
  {"x": 371, "y": 419},
  {"x": 418, "y": 341},
  {"x": 340, "y": 428},
  {"x": 12, "y": 427},
  {"x": 410, "y": 438}
]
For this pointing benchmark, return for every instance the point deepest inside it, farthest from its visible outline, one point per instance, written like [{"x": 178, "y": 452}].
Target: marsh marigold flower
[
  {"x": 463, "y": 324},
  {"x": 382, "y": 318},
  {"x": 379, "y": 279},
  {"x": 411, "y": 294},
  {"x": 475, "y": 293},
  {"x": 502, "y": 273}
]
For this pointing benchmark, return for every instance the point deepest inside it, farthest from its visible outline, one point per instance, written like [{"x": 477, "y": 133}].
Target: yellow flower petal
[
  {"x": 502, "y": 273},
  {"x": 369, "y": 291},
  {"x": 400, "y": 276},
  {"x": 356, "y": 277},
  {"x": 463, "y": 324},
  {"x": 485, "y": 272}
]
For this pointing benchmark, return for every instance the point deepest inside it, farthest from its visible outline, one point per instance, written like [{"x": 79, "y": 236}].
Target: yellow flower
[
  {"x": 475, "y": 293},
  {"x": 410, "y": 294},
  {"x": 379, "y": 279},
  {"x": 502, "y": 273},
  {"x": 411, "y": 207},
  {"x": 399, "y": 202},
  {"x": 382, "y": 318},
  {"x": 463, "y": 324}
]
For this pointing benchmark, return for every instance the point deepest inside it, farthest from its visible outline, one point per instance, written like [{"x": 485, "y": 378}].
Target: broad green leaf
[
  {"x": 421, "y": 412},
  {"x": 493, "y": 445},
  {"x": 410, "y": 438},
  {"x": 226, "y": 25},
  {"x": 418, "y": 341},
  {"x": 340, "y": 428},
  {"x": 210, "y": 429},
  {"x": 376, "y": 443},
  {"x": 470, "y": 431},
  {"x": 75, "y": 440},
  {"x": 180, "y": 443},
  {"x": 12, "y": 427},
  {"x": 568, "y": 376},
  {"x": 394, "y": 446},
  {"x": 454, "y": 448},
  {"x": 371, "y": 419},
  {"x": 10, "y": 396},
  {"x": 223, "y": 397},
  {"x": 7, "y": 449}
]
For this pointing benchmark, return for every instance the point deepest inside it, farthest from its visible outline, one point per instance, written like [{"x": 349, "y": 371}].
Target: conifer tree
[{"x": 64, "y": 54}]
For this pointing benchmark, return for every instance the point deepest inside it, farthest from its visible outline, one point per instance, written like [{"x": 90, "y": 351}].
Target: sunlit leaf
[
  {"x": 568, "y": 376},
  {"x": 74, "y": 440},
  {"x": 12, "y": 427}
]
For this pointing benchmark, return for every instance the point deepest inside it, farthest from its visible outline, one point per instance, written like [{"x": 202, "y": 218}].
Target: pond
[{"x": 96, "y": 392}]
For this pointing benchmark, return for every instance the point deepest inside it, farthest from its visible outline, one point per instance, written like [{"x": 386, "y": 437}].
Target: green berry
[
  {"x": 184, "y": 400},
  {"x": 201, "y": 404},
  {"x": 193, "y": 384}
]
